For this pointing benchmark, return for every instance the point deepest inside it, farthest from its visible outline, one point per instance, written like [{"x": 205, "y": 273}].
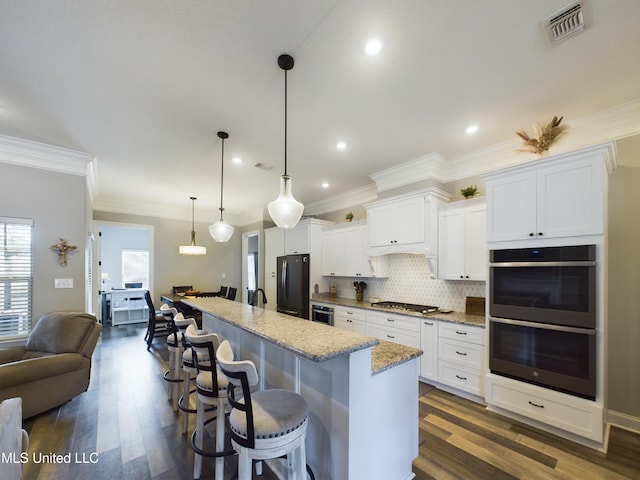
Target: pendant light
[
  {"x": 192, "y": 249},
  {"x": 285, "y": 210},
  {"x": 221, "y": 231}
]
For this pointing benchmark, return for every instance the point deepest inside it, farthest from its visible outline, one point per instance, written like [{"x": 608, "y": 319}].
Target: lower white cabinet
[
  {"x": 401, "y": 329},
  {"x": 429, "y": 346},
  {"x": 353, "y": 319},
  {"x": 461, "y": 357},
  {"x": 558, "y": 410}
]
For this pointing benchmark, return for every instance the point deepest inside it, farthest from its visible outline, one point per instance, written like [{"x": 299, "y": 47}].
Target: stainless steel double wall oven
[{"x": 542, "y": 313}]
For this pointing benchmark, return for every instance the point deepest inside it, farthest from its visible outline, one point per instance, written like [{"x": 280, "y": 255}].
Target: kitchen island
[{"x": 362, "y": 392}]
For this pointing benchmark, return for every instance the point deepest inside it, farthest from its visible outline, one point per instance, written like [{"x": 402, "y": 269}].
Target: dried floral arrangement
[{"x": 545, "y": 136}]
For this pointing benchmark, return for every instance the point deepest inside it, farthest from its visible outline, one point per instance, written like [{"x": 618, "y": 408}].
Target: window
[
  {"x": 16, "y": 277},
  {"x": 135, "y": 267}
]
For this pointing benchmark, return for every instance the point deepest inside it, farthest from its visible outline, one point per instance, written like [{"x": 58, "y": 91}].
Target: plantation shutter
[{"x": 16, "y": 277}]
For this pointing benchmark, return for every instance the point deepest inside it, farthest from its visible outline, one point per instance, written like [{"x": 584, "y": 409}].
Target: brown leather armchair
[{"x": 55, "y": 364}]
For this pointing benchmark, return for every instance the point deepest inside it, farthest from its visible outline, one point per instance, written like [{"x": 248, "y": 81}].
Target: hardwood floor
[{"x": 125, "y": 426}]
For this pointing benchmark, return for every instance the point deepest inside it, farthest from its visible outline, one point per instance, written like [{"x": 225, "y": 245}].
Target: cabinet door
[
  {"x": 476, "y": 258},
  {"x": 273, "y": 248},
  {"x": 333, "y": 252},
  {"x": 511, "y": 207},
  {"x": 409, "y": 221},
  {"x": 296, "y": 240},
  {"x": 429, "y": 346},
  {"x": 570, "y": 199},
  {"x": 380, "y": 220},
  {"x": 356, "y": 243},
  {"x": 451, "y": 243}
]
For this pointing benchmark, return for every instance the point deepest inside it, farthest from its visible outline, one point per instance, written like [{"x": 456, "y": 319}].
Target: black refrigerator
[{"x": 293, "y": 285}]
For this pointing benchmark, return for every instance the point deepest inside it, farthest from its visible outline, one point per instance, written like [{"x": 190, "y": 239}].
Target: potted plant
[
  {"x": 469, "y": 192},
  {"x": 349, "y": 216}
]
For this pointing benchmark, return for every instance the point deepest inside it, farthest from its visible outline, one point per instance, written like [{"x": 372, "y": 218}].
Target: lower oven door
[{"x": 557, "y": 357}]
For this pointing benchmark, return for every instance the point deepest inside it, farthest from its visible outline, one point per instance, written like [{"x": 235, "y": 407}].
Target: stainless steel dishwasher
[{"x": 322, "y": 314}]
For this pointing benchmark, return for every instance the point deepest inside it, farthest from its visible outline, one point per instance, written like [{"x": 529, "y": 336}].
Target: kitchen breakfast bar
[{"x": 362, "y": 392}]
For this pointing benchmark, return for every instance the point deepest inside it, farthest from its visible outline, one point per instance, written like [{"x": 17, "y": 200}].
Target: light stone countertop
[
  {"x": 311, "y": 340},
  {"x": 453, "y": 317}
]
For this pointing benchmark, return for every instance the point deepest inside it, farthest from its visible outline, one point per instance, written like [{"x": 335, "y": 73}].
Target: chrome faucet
[{"x": 254, "y": 300}]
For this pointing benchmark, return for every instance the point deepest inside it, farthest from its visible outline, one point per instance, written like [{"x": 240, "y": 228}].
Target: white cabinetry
[
  {"x": 344, "y": 253},
  {"x": 273, "y": 248},
  {"x": 461, "y": 357},
  {"x": 406, "y": 223},
  {"x": 566, "y": 412},
  {"x": 462, "y": 246},
  {"x": 429, "y": 346},
  {"x": 401, "y": 329},
  {"x": 561, "y": 196},
  {"x": 353, "y": 319},
  {"x": 304, "y": 238},
  {"x": 128, "y": 306}
]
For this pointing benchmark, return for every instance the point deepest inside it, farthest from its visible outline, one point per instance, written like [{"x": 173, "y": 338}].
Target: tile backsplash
[{"x": 409, "y": 282}]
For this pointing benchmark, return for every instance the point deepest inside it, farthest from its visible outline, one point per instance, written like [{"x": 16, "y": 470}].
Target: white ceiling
[{"x": 144, "y": 86}]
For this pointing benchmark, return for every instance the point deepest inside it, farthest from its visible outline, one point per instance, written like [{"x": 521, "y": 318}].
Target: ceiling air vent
[{"x": 567, "y": 22}]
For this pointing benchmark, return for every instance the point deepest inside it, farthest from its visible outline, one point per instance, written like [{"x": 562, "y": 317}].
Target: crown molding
[
  {"x": 431, "y": 166},
  {"x": 357, "y": 196}
]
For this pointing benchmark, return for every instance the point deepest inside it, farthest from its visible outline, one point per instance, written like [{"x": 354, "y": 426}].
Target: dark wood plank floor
[{"x": 125, "y": 424}]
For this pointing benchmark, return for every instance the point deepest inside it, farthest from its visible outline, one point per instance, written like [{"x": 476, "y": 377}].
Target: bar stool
[
  {"x": 189, "y": 370},
  {"x": 211, "y": 388},
  {"x": 265, "y": 424},
  {"x": 174, "y": 345}
]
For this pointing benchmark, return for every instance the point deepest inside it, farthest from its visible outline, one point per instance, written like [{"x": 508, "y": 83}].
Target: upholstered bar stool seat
[
  {"x": 265, "y": 424},
  {"x": 189, "y": 370}
]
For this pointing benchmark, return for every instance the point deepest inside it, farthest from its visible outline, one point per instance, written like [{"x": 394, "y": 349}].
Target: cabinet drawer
[
  {"x": 464, "y": 333},
  {"x": 403, "y": 322},
  {"x": 572, "y": 414},
  {"x": 461, "y": 353},
  {"x": 460, "y": 377},
  {"x": 350, "y": 313},
  {"x": 394, "y": 335}
]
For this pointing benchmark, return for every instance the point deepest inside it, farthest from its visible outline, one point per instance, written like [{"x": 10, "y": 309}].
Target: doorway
[
  {"x": 124, "y": 257},
  {"x": 250, "y": 263}
]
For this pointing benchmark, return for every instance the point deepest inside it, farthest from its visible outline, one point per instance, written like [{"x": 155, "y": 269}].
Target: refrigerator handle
[{"x": 283, "y": 280}]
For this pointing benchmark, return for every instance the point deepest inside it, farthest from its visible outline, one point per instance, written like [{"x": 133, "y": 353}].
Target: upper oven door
[{"x": 544, "y": 290}]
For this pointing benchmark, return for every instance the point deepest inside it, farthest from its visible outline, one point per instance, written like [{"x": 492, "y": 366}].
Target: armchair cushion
[{"x": 61, "y": 332}]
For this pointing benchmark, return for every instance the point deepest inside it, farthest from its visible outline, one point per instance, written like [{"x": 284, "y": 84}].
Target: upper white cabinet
[
  {"x": 406, "y": 223},
  {"x": 296, "y": 240},
  {"x": 561, "y": 196},
  {"x": 344, "y": 253},
  {"x": 462, "y": 240},
  {"x": 273, "y": 248},
  {"x": 398, "y": 222}
]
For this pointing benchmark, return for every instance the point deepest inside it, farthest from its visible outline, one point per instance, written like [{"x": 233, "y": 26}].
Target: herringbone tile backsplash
[{"x": 409, "y": 281}]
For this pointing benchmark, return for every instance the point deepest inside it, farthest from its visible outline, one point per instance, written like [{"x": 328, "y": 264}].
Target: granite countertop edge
[
  {"x": 452, "y": 317},
  {"x": 241, "y": 316}
]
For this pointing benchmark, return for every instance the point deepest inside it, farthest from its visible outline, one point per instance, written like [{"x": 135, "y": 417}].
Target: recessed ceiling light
[
  {"x": 373, "y": 46},
  {"x": 341, "y": 145},
  {"x": 237, "y": 160},
  {"x": 471, "y": 129},
  {"x": 325, "y": 185}
]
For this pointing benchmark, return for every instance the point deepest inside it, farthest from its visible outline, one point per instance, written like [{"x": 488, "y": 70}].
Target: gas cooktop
[{"x": 406, "y": 306}]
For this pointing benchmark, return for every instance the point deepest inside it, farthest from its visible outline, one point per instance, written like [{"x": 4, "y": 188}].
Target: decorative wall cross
[{"x": 62, "y": 248}]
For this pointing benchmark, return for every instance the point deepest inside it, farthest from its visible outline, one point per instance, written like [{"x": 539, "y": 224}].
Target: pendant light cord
[
  {"x": 221, "y": 179},
  {"x": 285, "y": 123}
]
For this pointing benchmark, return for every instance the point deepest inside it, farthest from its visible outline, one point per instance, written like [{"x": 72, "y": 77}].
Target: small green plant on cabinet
[
  {"x": 469, "y": 192},
  {"x": 349, "y": 216}
]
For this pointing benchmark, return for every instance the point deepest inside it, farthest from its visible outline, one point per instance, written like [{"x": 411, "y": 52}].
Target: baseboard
[{"x": 622, "y": 420}]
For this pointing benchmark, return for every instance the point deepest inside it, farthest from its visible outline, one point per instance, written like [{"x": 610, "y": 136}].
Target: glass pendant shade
[
  {"x": 192, "y": 248},
  {"x": 221, "y": 231},
  {"x": 285, "y": 210}
]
